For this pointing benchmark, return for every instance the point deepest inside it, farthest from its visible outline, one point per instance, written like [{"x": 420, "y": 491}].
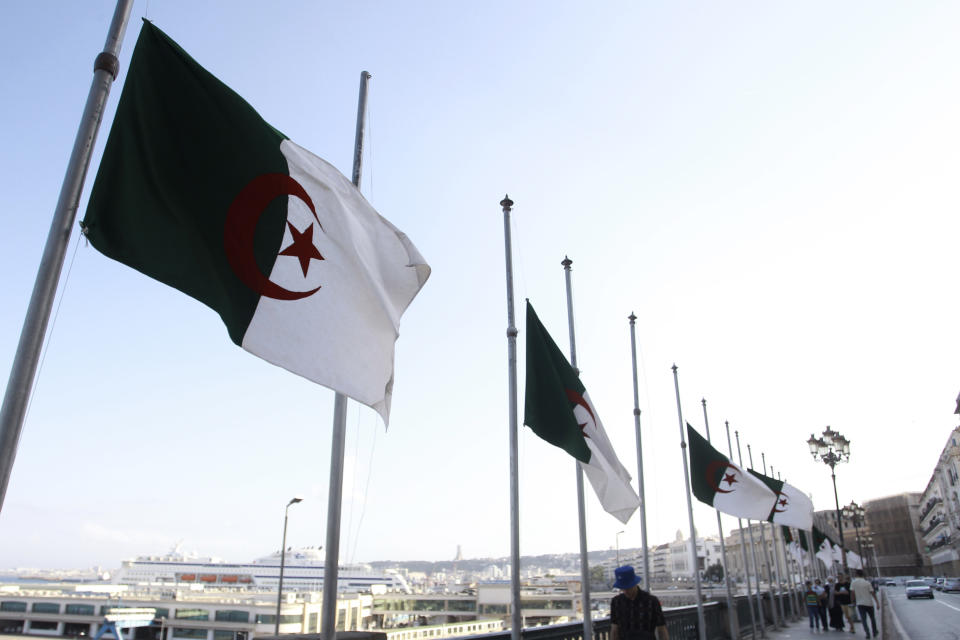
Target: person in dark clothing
[
  {"x": 635, "y": 614},
  {"x": 834, "y": 610},
  {"x": 843, "y": 597}
]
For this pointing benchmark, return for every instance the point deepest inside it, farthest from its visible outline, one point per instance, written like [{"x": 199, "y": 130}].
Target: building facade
[
  {"x": 940, "y": 511},
  {"x": 893, "y": 523}
]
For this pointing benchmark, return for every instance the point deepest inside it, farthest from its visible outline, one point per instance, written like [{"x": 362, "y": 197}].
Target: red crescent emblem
[
  {"x": 711, "y": 471},
  {"x": 578, "y": 400},
  {"x": 241, "y": 224},
  {"x": 782, "y": 501}
]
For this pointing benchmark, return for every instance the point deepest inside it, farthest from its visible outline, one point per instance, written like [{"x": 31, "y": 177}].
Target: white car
[{"x": 918, "y": 589}]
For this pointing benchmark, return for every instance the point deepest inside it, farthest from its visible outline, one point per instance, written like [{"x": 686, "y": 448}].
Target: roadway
[{"x": 922, "y": 619}]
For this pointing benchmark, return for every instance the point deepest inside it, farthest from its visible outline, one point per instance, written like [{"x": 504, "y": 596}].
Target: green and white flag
[
  {"x": 824, "y": 550},
  {"x": 792, "y": 507},
  {"x": 723, "y": 485},
  {"x": 558, "y": 409},
  {"x": 196, "y": 190}
]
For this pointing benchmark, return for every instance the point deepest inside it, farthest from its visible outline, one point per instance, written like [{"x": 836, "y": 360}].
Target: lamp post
[
  {"x": 618, "y": 547},
  {"x": 871, "y": 548},
  {"x": 832, "y": 448},
  {"x": 854, "y": 514},
  {"x": 283, "y": 555}
]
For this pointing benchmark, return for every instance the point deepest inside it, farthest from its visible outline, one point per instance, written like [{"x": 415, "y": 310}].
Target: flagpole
[
  {"x": 702, "y": 626},
  {"x": 581, "y": 505},
  {"x": 636, "y": 424},
  {"x": 24, "y": 368},
  {"x": 743, "y": 550},
  {"x": 516, "y": 627},
  {"x": 331, "y": 565},
  {"x": 766, "y": 559},
  {"x": 723, "y": 545},
  {"x": 776, "y": 551},
  {"x": 753, "y": 552},
  {"x": 773, "y": 548}
]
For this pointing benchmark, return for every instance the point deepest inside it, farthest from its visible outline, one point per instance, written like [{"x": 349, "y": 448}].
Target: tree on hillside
[{"x": 714, "y": 572}]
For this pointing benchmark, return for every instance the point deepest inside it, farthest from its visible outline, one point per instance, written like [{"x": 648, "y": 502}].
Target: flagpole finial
[
  {"x": 632, "y": 318},
  {"x": 674, "y": 367},
  {"x": 506, "y": 203},
  {"x": 566, "y": 262},
  {"x": 703, "y": 401}
]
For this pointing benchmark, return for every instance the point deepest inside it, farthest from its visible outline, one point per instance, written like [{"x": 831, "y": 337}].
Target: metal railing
[{"x": 681, "y": 623}]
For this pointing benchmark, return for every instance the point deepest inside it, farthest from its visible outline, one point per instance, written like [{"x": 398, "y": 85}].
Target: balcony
[
  {"x": 935, "y": 522},
  {"x": 927, "y": 508}
]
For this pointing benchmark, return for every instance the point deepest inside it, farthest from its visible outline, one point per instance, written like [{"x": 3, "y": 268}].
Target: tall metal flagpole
[
  {"x": 24, "y": 368},
  {"x": 753, "y": 552},
  {"x": 636, "y": 424},
  {"x": 786, "y": 558},
  {"x": 331, "y": 566},
  {"x": 777, "y": 540},
  {"x": 581, "y": 505},
  {"x": 743, "y": 550},
  {"x": 775, "y": 569},
  {"x": 516, "y": 627},
  {"x": 701, "y": 623},
  {"x": 766, "y": 559},
  {"x": 731, "y": 615}
]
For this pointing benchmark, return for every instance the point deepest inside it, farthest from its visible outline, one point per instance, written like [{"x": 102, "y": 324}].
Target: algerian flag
[
  {"x": 720, "y": 483},
  {"x": 791, "y": 543},
  {"x": 198, "y": 192},
  {"x": 854, "y": 561},
  {"x": 836, "y": 551},
  {"x": 822, "y": 545},
  {"x": 792, "y": 507},
  {"x": 558, "y": 409}
]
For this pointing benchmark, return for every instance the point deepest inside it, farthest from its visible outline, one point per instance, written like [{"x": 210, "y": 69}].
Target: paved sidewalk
[{"x": 801, "y": 630}]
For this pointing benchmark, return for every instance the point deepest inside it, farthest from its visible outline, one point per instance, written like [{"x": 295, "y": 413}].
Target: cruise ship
[{"x": 302, "y": 571}]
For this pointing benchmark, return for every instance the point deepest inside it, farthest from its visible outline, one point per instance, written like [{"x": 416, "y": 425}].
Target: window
[
  {"x": 13, "y": 606},
  {"x": 193, "y": 614},
  {"x": 219, "y": 634},
  {"x": 43, "y": 625},
  {"x": 80, "y": 609},
  {"x": 45, "y": 607},
  {"x": 265, "y": 618},
  {"x": 196, "y": 634},
  {"x": 232, "y": 616},
  {"x": 161, "y": 613}
]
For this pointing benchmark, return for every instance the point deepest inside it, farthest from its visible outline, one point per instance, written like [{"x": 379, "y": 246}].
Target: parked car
[
  {"x": 890, "y": 583},
  {"x": 918, "y": 589},
  {"x": 950, "y": 585},
  {"x": 938, "y": 585}
]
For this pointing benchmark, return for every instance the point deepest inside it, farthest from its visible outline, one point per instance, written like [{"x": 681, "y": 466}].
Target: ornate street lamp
[
  {"x": 871, "y": 548},
  {"x": 283, "y": 554},
  {"x": 832, "y": 448},
  {"x": 854, "y": 514}
]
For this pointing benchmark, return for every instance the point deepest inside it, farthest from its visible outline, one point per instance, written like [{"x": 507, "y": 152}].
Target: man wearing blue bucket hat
[{"x": 635, "y": 614}]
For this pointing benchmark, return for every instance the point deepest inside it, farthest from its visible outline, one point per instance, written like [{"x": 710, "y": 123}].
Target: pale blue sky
[{"x": 770, "y": 187}]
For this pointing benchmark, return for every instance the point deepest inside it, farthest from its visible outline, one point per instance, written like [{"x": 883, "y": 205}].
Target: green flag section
[
  {"x": 558, "y": 409},
  {"x": 723, "y": 485},
  {"x": 196, "y": 190},
  {"x": 792, "y": 508}
]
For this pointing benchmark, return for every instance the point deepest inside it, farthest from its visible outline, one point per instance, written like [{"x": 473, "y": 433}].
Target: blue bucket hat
[{"x": 626, "y": 577}]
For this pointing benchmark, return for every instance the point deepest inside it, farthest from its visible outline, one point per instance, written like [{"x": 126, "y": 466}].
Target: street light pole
[
  {"x": 832, "y": 448},
  {"x": 283, "y": 555},
  {"x": 618, "y": 547},
  {"x": 855, "y": 514}
]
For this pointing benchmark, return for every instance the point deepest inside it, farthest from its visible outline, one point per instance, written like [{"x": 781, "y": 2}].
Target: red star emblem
[
  {"x": 302, "y": 247},
  {"x": 729, "y": 478},
  {"x": 783, "y": 502}
]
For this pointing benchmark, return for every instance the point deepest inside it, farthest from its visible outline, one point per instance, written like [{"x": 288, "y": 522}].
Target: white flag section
[
  {"x": 793, "y": 508},
  {"x": 825, "y": 553},
  {"x": 609, "y": 479},
  {"x": 836, "y": 552},
  {"x": 371, "y": 272},
  {"x": 854, "y": 561}
]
